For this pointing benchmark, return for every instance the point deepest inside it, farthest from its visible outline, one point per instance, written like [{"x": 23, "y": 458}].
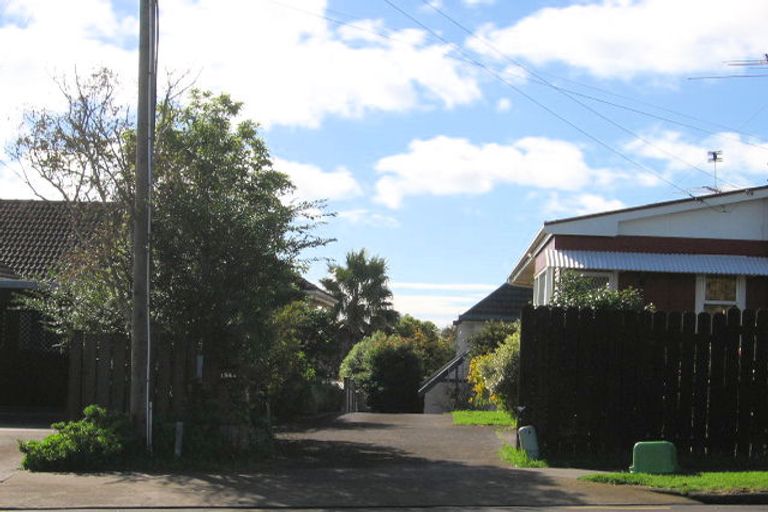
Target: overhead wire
[
  {"x": 541, "y": 105},
  {"x": 570, "y": 94},
  {"x": 537, "y": 79},
  {"x": 541, "y": 81}
]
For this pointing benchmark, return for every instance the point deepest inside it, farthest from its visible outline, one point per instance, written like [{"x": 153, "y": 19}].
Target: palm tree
[{"x": 364, "y": 298}]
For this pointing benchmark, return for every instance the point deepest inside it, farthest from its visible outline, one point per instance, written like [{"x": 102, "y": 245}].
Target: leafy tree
[
  {"x": 490, "y": 336},
  {"x": 388, "y": 369},
  {"x": 314, "y": 330},
  {"x": 574, "y": 290},
  {"x": 226, "y": 247},
  {"x": 303, "y": 362},
  {"x": 364, "y": 298},
  {"x": 430, "y": 346}
]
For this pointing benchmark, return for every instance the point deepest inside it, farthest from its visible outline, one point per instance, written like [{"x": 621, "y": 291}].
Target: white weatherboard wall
[
  {"x": 465, "y": 330},
  {"x": 746, "y": 220},
  {"x": 439, "y": 399},
  {"x": 737, "y": 216}
]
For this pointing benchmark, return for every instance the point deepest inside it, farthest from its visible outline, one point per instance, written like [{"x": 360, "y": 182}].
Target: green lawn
[
  {"x": 519, "y": 458},
  {"x": 498, "y": 418},
  {"x": 716, "y": 482}
]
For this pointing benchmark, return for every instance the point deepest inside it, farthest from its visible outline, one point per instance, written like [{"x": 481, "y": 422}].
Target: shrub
[
  {"x": 490, "y": 336},
  {"x": 388, "y": 370},
  {"x": 395, "y": 373},
  {"x": 494, "y": 376},
  {"x": 574, "y": 290},
  {"x": 503, "y": 373},
  {"x": 98, "y": 441},
  {"x": 433, "y": 349},
  {"x": 481, "y": 395}
]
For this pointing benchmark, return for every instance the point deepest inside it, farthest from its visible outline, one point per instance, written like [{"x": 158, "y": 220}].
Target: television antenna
[
  {"x": 714, "y": 157},
  {"x": 750, "y": 66}
]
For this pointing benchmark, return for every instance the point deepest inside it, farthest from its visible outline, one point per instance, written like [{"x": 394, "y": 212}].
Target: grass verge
[
  {"x": 705, "y": 482},
  {"x": 498, "y": 418},
  {"x": 519, "y": 458}
]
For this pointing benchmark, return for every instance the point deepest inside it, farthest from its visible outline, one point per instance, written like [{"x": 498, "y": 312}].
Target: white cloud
[
  {"x": 503, "y": 105},
  {"x": 431, "y": 5},
  {"x": 292, "y": 68},
  {"x": 42, "y": 40},
  {"x": 451, "y": 166},
  {"x": 476, "y": 3},
  {"x": 397, "y": 285},
  {"x": 622, "y": 38},
  {"x": 745, "y": 159},
  {"x": 440, "y": 309},
  {"x": 14, "y": 186},
  {"x": 580, "y": 204},
  {"x": 288, "y": 65},
  {"x": 366, "y": 217},
  {"x": 313, "y": 183}
]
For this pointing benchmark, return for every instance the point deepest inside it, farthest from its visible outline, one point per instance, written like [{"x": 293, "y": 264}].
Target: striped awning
[{"x": 655, "y": 262}]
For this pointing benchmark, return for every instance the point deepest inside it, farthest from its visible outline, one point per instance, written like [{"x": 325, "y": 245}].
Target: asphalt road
[
  {"x": 10, "y": 458},
  {"x": 355, "y": 462}
]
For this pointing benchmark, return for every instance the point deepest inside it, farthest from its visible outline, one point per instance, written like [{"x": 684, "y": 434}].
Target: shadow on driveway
[
  {"x": 356, "y": 460},
  {"x": 330, "y": 474}
]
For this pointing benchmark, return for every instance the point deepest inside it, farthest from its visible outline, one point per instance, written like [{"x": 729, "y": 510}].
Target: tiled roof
[
  {"x": 35, "y": 235},
  {"x": 6, "y": 272},
  {"x": 505, "y": 303},
  {"x": 312, "y": 289}
]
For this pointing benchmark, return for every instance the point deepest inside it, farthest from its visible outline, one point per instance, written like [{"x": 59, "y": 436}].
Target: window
[
  {"x": 539, "y": 287},
  {"x": 599, "y": 279},
  {"x": 719, "y": 293}
]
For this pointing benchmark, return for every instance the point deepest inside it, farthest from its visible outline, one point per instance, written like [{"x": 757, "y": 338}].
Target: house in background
[
  {"x": 440, "y": 391},
  {"x": 317, "y": 295},
  {"x": 35, "y": 237},
  {"x": 707, "y": 253}
]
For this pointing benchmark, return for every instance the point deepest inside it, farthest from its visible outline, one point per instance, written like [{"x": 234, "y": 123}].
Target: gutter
[
  {"x": 17, "y": 284},
  {"x": 541, "y": 239}
]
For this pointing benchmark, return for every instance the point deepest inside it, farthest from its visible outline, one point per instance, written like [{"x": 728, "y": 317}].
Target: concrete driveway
[
  {"x": 10, "y": 458},
  {"x": 357, "y": 460}
]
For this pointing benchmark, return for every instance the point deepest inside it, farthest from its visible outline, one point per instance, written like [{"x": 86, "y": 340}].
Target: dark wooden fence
[
  {"x": 99, "y": 373},
  {"x": 33, "y": 366},
  {"x": 594, "y": 383}
]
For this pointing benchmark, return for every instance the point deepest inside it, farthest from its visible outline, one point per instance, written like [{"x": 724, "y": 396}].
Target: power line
[
  {"x": 539, "y": 80},
  {"x": 540, "y": 104},
  {"x": 570, "y": 94},
  {"x": 542, "y": 81}
]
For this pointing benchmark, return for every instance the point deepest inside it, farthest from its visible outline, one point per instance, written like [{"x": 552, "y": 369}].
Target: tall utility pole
[{"x": 140, "y": 333}]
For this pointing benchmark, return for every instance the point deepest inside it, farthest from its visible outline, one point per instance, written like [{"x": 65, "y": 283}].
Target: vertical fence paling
[
  {"x": 760, "y": 424},
  {"x": 99, "y": 373},
  {"x": 598, "y": 382}
]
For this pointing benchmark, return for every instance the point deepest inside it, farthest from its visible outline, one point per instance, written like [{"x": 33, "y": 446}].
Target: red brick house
[{"x": 700, "y": 254}]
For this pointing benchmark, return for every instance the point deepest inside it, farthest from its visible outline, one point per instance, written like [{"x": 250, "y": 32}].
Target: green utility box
[{"x": 657, "y": 457}]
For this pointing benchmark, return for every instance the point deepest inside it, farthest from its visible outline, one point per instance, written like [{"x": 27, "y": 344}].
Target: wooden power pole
[{"x": 140, "y": 409}]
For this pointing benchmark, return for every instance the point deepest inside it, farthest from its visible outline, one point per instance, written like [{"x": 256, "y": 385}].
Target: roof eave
[{"x": 539, "y": 241}]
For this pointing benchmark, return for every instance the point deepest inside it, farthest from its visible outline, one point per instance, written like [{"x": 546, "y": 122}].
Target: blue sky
[{"x": 445, "y": 136}]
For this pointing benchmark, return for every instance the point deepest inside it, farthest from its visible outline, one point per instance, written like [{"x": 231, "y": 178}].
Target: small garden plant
[{"x": 98, "y": 441}]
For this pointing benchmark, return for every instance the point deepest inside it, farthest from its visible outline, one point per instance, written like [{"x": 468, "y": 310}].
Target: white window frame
[
  {"x": 701, "y": 289},
  {"x": 544, "y": 286},
  {"x": 549, "y": 275},
  {"x": 613, "y": 276},
  {"x": 538, "y": 288}
]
